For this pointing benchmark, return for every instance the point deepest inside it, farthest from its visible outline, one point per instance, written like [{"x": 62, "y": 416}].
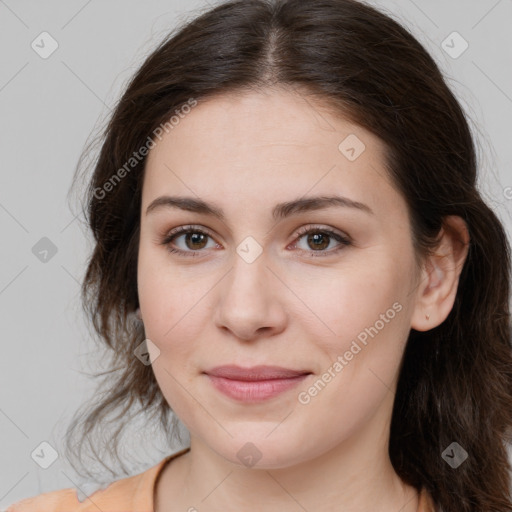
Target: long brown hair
[{"x": 455, "y": 381}]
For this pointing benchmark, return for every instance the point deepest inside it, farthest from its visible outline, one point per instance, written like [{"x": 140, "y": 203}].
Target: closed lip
[{"x": 255, "y": 373}]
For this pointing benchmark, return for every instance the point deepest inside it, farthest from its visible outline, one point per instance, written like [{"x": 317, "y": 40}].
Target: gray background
[{"x": 49, "y": 108}]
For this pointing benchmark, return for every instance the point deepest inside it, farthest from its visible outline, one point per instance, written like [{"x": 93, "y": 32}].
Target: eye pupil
[
  {"x": 319, "y": 237},
  {"x": 195, "y": 238}
]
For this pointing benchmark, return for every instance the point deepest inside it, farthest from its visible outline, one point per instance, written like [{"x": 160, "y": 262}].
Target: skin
[{"x": 246, "y": 153}]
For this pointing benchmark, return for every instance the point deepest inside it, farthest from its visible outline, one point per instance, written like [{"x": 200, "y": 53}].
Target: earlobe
[{"x": 440, "y": 276}]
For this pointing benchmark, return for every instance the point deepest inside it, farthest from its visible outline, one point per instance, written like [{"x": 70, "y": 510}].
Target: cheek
[
  {"x": 361, "y": 361},
  {"x": 365, "y": 324},
  {"x": 171, "y": 308},
  {"x": 355, "y": 303},
  {"x": 169, "y": 295}
]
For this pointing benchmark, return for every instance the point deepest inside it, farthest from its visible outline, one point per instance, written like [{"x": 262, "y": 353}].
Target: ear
[{"x": 440, "y": 274}]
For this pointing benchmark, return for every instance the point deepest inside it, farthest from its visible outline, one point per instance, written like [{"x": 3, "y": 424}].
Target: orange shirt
[{"x": 131, "y": 494}]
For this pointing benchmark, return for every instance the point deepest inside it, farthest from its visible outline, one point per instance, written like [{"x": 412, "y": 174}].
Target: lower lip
[{"x": 254, "y": 391}]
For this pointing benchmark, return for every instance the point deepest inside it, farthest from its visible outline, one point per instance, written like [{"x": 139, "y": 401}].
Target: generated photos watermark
[
  {"x": 341, "y": 361},
  {"x": 138, "y": 156}
]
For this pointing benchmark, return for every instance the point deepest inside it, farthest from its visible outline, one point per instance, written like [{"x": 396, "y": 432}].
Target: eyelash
[{"x": 344, "y": 241}]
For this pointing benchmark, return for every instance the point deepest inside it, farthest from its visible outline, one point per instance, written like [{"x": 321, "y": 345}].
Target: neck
[{"x": 355, "y": 475}]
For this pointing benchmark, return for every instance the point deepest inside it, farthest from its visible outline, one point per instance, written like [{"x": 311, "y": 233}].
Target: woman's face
[{"x": 250, "y": 288}]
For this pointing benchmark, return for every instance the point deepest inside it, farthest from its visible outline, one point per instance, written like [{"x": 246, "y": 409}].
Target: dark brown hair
[{"x": 455, "y": 381}]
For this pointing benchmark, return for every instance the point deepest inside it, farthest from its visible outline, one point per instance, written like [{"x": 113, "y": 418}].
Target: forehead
[{"x": 271, "y": 145}]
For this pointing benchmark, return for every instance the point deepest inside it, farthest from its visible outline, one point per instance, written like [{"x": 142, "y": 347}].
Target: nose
[{"x": 250, "y": 301}]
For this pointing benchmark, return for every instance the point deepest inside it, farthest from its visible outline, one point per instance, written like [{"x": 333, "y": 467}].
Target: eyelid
[
  {"x": 342, "y": 238},
  {"x": 323, "y": 228},
  {"x": 168, "y": 236},
  {"x": 297, "y": 233}
]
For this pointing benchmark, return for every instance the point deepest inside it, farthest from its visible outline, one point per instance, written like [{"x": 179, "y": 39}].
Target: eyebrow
[{"x": 280, "y": 211}]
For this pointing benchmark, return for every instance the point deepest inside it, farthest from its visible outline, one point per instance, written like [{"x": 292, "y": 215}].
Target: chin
[{"x": 258, "y": 451}]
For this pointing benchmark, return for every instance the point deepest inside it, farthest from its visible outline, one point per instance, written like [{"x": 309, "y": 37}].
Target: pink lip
[{"x": 256, "y": 383}]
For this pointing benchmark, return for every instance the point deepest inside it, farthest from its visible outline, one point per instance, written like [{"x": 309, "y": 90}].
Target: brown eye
[
  {"x": 319, "y": 239},
  {"x": 194, "y": 240}
]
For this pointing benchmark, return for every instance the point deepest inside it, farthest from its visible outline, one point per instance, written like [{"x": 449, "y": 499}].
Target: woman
[{"x": 285, "y": 199}]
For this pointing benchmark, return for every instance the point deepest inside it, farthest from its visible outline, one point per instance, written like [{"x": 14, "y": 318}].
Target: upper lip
[{"x": 255, "y": 373}]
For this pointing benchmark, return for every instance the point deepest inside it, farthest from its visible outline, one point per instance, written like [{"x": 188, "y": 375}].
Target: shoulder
[
  {"x": 118, "y": 495},
  {"x": 134, "y": 493},
  {"x": 54, "y": 501}
]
